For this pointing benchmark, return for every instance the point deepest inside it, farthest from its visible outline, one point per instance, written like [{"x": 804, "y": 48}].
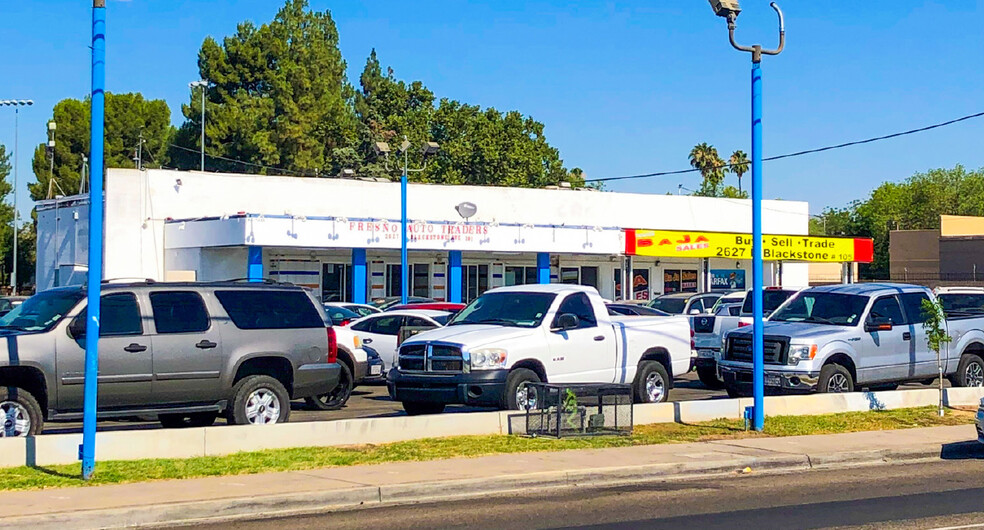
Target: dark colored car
[
  {"x": 450, "y": 307},
  {"x": 635, "y": 310},
  {"x": 374, "y": 373},
  {"x": 385, "y": 303},
  {"x": 340, "y": 316},
  {"x": 685, "y": 303}
]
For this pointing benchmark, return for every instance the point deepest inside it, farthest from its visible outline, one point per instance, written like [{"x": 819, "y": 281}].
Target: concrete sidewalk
[{"x": 319, "y": 489}]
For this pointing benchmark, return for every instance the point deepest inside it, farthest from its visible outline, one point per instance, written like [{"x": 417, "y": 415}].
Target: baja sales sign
[{"x": 687, "y": 244}]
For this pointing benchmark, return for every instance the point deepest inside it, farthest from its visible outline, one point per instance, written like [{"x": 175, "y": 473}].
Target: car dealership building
[{"x": 341, "y": 237}]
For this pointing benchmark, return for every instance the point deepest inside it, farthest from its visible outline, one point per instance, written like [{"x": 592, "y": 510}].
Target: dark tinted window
[
  {"x": 269, "y": 309},
  {"x": 119, "y": 315},
  {"x": 340, "y": 314},
  {"x": 912, "y": 304},
  {"x": 363, "y": 325},
  {"x": 179, "y": 312},
  {"x": 771, "y": 300},
  {"x": 386, "y": 325},
  {"x": 41, "y": 311},
  {"x": 418, "y": 322},
  {"x": 674, "y": 306},
  {"x": 962, "y": 302},
  {"x": 887, "y": 307},
  {"x": 823, "y": 308},
  {"x": 579, "y": 305}
]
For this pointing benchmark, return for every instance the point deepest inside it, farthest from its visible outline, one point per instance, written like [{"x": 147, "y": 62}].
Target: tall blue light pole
[
  {"x": 729, "y": 9},
  {"x": 88, "y": 449}
]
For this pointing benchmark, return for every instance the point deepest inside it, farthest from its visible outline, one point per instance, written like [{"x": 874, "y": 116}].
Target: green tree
[
  {"x": 6, "y": 218},
  {"x": 704, "y": 158},
  {"x": 278, "y": 97},
  {"x": 936, "y": 335},
  {"x": 128, "y": 117},
  {"x": 739, "y": 165}
]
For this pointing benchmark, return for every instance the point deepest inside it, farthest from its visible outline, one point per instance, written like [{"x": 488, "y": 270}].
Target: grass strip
[{"x": 119, "y": 472}]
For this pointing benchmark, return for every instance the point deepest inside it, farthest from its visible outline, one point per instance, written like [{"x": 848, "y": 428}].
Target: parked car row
[{"x": 186, "y": 352}]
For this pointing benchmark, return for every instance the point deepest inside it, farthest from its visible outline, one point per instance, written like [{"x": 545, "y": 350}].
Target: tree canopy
[{"x": 128, "y": 116}]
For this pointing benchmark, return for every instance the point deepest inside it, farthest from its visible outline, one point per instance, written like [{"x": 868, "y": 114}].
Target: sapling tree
[{"x": 936, "y": 336}]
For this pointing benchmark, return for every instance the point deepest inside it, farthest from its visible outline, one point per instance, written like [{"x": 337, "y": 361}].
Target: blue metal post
[
  {"x": 454, "y": 277},
  {"x": 254, "y": 264},
  {"x": 758, "y": 359},
  {"x": 404, "y": 266},
  {"x": 359, "y": 275},
  {"x": 88, "y": 450},
  {"x": 543, "y": 267}
]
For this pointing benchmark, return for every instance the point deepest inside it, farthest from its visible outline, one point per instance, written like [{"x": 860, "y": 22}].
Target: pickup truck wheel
[
  {"x": 970, "y": 372},
  {"x": 651, "y": 383},
  {"x": 415, "y": 408},
  {"x": 835, "y": 379},
  {"x": 708, "y": 376},
  {"x": 20, "y": 413},
  {"x": 518, "y": 394},
  {"x": 259, "y": 400},
  {"x": 338, "y": 397}
]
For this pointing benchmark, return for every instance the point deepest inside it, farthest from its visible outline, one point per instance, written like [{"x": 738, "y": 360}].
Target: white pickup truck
[
  {"x": 536, "y": 333},
  {"x": 845, "y": 337}
]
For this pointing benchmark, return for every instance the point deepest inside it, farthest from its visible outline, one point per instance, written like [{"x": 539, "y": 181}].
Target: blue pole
[
  {"x": 88, "y": 449},
  {"x": 758, "y": 359},
  {"x": 404, "y": 266}
]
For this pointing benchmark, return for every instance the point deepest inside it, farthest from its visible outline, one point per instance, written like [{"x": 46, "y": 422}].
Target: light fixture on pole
[
  {"x": 203, "y": 84},
  {"x": 16, "y": 103},
  {"x": 466, "y": 210},
  {"x": 729, "y": 9},
  {"x": 383, "y": 149}
]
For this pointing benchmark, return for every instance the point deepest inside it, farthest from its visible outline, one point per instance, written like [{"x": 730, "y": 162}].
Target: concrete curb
[{"x": 233, "y": 509}]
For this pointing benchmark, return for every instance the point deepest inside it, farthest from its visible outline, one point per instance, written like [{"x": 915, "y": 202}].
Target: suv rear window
[{"x": 269, "y": 309}]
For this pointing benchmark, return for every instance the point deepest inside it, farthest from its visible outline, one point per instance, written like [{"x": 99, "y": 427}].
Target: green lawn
[{"x": 117, "y": 472}]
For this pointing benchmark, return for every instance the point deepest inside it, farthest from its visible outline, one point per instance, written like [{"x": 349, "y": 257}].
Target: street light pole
[
  {"x": 204, "y": 86},
  {"x": 16, "y": 103},
  {"x": 729, "y": 9}
]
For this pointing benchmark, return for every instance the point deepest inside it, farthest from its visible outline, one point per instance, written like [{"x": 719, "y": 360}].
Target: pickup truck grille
[
  {"x": 775, "y": 349},
  {"x": 431, "y": 357},
  {"x": 703, "y": 324}
]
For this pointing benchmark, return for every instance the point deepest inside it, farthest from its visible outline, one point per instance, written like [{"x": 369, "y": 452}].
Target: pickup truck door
[
  {"x": 585, "y": 354},
  {"x": 125, "y": 357},
  {"x": 924, "y": 358},
  {"x": 884, "y": 354}
]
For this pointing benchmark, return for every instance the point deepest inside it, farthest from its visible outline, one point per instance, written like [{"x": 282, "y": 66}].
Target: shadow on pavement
[{"x": 972, "y": 450}]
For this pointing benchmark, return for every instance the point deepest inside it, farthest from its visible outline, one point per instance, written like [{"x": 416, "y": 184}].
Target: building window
[
  {"x": 679, "y": 280},
  {"x": 589, "y": 276},
  {"x": 570, "y": 275},
  {"x": 520, "y": 276},
  {"x": 334, "y": 282},
  {"x": 421, "y": 279},
  {"x": 640, "y": 284},
  {"x": 474, "y": 281}
]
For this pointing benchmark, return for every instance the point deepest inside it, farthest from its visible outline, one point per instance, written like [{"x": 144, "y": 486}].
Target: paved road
[
  {"x": 935, "y": 495},
  {"x": 373, "y": 402}
]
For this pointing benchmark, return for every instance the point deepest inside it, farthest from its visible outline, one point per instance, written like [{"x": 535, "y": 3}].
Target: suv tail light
[{"x": 332, "y": 346}]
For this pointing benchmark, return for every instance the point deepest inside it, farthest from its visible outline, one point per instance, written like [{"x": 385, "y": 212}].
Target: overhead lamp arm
[{"x": 757, "y": 50}]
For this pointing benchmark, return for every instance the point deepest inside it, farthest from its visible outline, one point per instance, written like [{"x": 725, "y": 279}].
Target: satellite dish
[{"x": 466, "y": 209}]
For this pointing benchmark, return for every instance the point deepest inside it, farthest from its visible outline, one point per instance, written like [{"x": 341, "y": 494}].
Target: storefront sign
[
  {"x": 727, "y": 279},
  {"x": 683, "y": 244}
]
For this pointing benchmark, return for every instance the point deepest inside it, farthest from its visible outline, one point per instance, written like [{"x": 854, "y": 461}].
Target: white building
[{"x": 342, "y": 238}]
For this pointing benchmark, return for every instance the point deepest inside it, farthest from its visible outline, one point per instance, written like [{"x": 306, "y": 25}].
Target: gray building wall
[{"x": 914, "y": 254}]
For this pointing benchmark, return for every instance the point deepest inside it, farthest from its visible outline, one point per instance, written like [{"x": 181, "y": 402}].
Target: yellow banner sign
[{"x": 684, "y": 244}]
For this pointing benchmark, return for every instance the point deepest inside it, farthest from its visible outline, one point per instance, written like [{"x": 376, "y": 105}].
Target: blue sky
[{"x": 623, "y": 87}]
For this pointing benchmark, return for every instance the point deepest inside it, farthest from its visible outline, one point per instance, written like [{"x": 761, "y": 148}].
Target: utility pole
[{"x": 16, "y": 103}]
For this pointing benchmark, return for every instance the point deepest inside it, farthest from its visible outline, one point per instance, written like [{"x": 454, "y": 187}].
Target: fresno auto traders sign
[
  {"x": 687, "y": 244},
  {"x": 421, "y": 232}
]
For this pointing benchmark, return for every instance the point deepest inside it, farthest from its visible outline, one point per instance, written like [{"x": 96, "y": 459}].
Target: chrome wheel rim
[
  {"x": 655, "y": 387},
  {"x": 837, "y": 384},
  {"x": 526, "y": 397},
  {"x": 16, "y": 420},
  {"x": 974, "y": 374},
  {"x": 262, "y": 407}
]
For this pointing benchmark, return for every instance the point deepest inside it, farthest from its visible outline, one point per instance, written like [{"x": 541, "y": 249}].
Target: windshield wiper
[
  {"x": 499, "y": 321},
  {"x": 18, "y": 328},
  {"x": 819, "y": 320}
]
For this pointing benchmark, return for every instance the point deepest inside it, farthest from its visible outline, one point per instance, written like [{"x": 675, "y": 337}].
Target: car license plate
[
  {"x": 705, "y": 354},
  {"x": 772, "y": 380},
  {"x": 375, "y": 370}
]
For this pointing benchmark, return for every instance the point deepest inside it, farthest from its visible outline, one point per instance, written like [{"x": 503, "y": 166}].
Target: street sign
[{"x": 733, "y": 245}]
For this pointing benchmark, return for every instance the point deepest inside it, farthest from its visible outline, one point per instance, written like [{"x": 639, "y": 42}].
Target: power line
[
  {"x": 800, "y": 153},
  {"x": 243, "y": 162}
]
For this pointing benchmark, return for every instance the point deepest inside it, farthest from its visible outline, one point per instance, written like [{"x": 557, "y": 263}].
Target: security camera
[{"x": 725, "y": 8}]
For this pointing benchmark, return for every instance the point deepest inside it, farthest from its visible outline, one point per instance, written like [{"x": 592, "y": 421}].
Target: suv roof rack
[
  {"x": 129, "y": 280},
  {"x": 268, "y": 281}
]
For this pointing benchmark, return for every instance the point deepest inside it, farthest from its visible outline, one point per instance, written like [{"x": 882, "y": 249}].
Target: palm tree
[
  {"x": 704, "y": 158},
  {"x": 739, "y": 165}
]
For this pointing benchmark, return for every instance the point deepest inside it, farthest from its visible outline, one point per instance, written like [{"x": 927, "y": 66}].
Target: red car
[{"x": 433, "y": 306}]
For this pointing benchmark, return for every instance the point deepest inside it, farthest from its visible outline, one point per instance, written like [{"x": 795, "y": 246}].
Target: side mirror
[
  {"x": 695, "y": 311},
  {"x": 567, "y": 321},
  {"x": 878, "y": 324},
  {"x": 76, "y": 329}
]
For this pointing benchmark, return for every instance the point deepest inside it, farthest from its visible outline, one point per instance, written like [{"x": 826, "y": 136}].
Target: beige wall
[{"x": 961, "y": 225}]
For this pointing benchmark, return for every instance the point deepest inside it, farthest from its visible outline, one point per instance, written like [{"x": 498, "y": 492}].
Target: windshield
[
  {"x": 771, "y": 299},
  {"x": 442, "y": 319},
  {"x": 41, "y": 311},
  {"x": 823, "y": 308},
  {"x": 673, "y": 306},
  {"x": 524, "y": 310},
  {"x": 962, "y": 302}
]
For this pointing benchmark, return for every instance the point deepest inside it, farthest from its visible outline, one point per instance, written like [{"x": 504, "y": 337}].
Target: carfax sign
[{"x": 688, "y": 244}]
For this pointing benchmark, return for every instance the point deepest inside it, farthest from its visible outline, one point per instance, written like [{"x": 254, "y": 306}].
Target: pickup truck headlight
[
  {"x": 488, "y": 358},
  {"x": 801, "y": 352}
]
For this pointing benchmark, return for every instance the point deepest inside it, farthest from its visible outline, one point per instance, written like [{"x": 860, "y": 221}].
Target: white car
[
  {"x": 355, "y": 368},
  {"x": 363, "y": 310},
  {"x": 381, "y": 331}
]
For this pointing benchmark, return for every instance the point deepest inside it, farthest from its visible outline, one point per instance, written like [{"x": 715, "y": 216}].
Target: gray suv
[{"x": 186, "y": 352}]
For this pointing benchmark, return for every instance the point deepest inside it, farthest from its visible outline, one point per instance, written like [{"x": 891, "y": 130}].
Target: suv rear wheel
[
  {"x": 259, "y": 400},
  {"x": 20, "y": 414}
]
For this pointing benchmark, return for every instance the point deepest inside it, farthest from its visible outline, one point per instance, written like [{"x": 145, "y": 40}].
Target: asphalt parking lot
[{"x": 372, "y": 401}]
